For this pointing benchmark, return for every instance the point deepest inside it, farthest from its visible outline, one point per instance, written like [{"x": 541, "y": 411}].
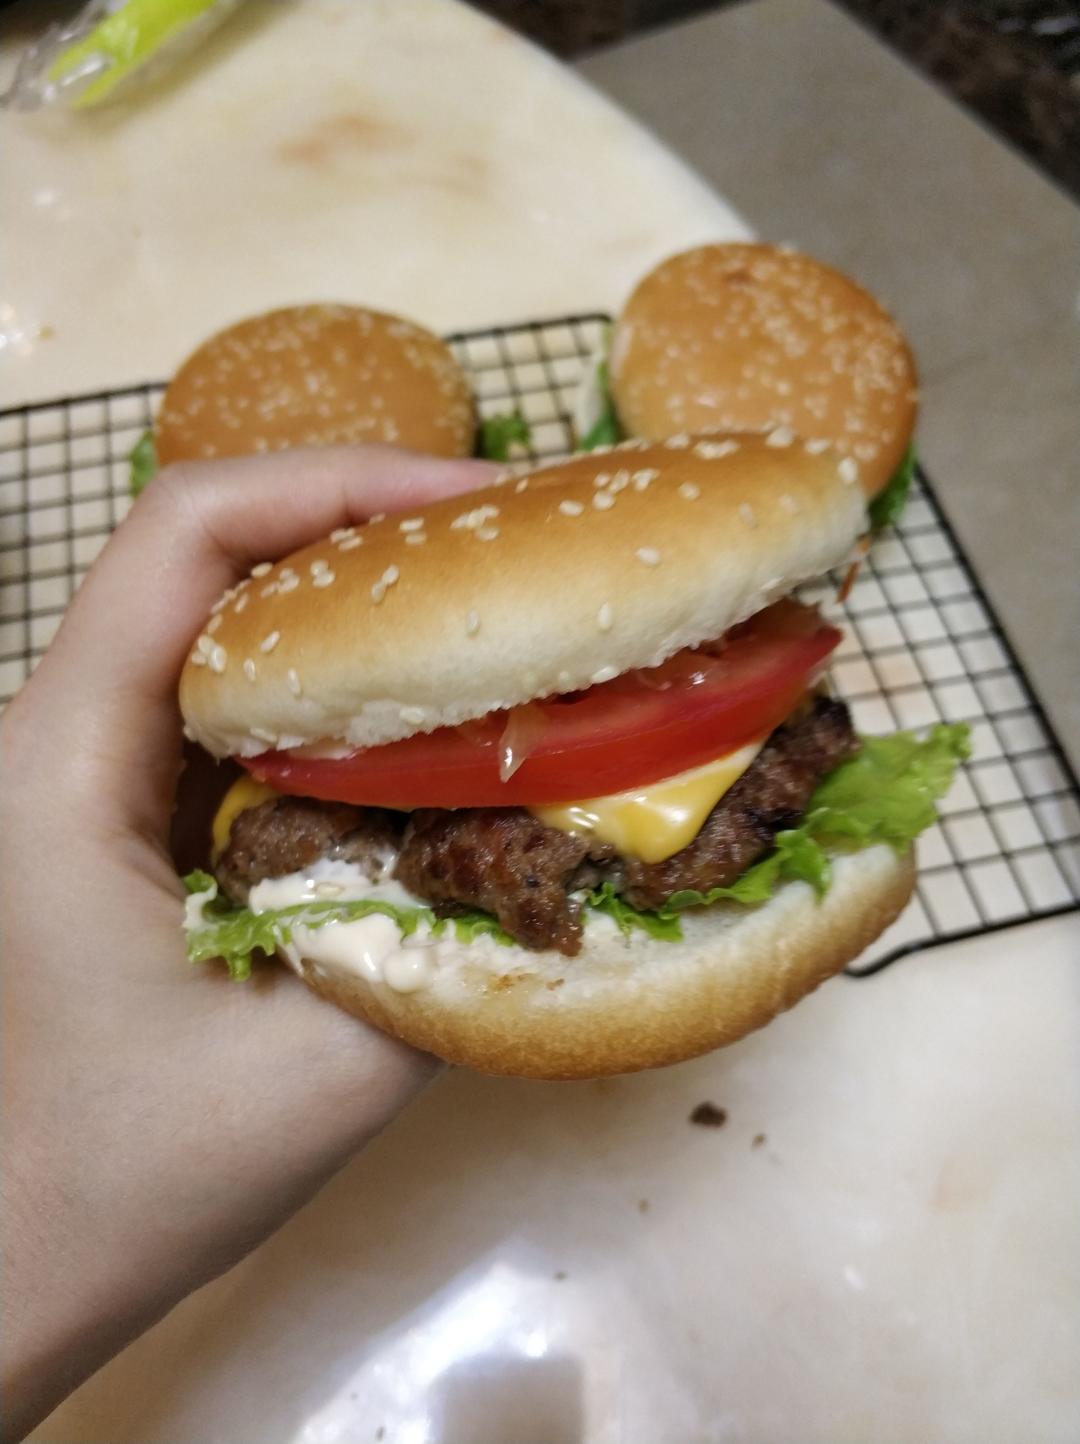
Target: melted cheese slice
[
  {"x": 651, "y": 823},
  {"x": 654, "y": 822},
  {"x": 244, "y": 793}
]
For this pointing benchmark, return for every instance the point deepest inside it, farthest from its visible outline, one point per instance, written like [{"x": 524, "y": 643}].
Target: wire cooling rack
[{"x": 922, "y": 643}]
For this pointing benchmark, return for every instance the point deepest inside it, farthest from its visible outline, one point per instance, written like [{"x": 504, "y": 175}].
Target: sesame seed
[
  {"x": 269, "y": 642},
  {"x": 416, "y": 538},
  {"x": 649, "y": 555},
  {"x": 603, "y": 501},
  {"x": 848, "y": 471},
  {"x": 413, "y": 715},
  {"x": 214, "y": 622},
  {"x": 688, "y": 491},
  {"x": 249, "y": 669},
  {"x": 261, "y": 570},
  {"x": 268, "y": 591},
  {"x": 605, "y": 674},
  {"x": 218, "y": 658},
  {"x": 292, "y": 677},
  {"x": 605, "y": 617},
  {"x": 378, "y": 592},
  {"x": 571, "y": 508},
  {"x": 817, "y": 444},
  {"x": 602, "y": 478},
  {"x": 486, "y": 533},
  {"x": 319, "y": 566},
  {"x": 620, "y": 481},
  {"x": 289, "y": 583},
  {"x": 241, "y": 603},
  {"x": 644, "y": 477},
  {"x": 390, "y": 576},
  {"x": 204, "y": 645},
  {"x": 676, "y": 443},
  {"x": 746, "y": 512},
  {"x": 219, "y": 604},
  {"x": 780, "y": 436},
  {"x": 790, "y": 503},
  {"x": 378, "y": 517},
  {"x": 523, "y": 485},
  {"x": 197, "y": 659},
  {"x": 598, "y": 451},
  {"x": 472, "y": 623},
  {"x": 323, "y": 579},
  {"x": 350, "y": 543},
  {"x": 715, "y": 450},
  {"x": 411, "y": 523},
  {"x": 342, "y": 533}
]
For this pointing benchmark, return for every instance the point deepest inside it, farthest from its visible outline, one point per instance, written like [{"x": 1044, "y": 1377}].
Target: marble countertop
[{"x": 881, "y": 1241}]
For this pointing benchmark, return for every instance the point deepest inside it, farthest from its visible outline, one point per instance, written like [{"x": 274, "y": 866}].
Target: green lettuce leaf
[
  {"x": 605, "y": 430},
  {"x": 606, "y": 900},
  {"x": 886, "y": 793},
  {"x": 143, "y": 462},
  {"x": 499, "y": 433},
  {"x": 235, "y": 934},
  {"x": 887, "y": 507}
]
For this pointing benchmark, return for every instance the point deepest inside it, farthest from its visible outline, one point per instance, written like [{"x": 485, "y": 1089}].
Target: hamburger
[
  {"x": 317, "y": 375},
  {"x": 544, "y": 780},
  {"x": 749, "y": 337}
]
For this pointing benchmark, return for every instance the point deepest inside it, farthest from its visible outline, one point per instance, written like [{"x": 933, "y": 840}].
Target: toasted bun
[
  {"x": 539, "y": 585},
  {"x": 744, "y": 337},
  {"x": 316, "y": 376},
  {"x": 619, "y": 1007}
]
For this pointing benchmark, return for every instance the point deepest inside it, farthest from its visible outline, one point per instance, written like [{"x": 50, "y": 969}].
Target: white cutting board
[
  {"x": 897, "y": 1258},
  {"x": 407, "y": 154}
]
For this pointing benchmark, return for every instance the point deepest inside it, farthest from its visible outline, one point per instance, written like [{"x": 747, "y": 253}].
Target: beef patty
[
  {"x": 505, "y": 861},
  {"x": 288, "y": 834}
]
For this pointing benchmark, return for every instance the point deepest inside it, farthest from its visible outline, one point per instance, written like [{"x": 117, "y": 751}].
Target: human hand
[{"x": 159, "y": 1120}]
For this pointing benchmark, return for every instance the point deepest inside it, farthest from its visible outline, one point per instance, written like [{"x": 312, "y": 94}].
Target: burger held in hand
[{"x": 544, "y": 780}]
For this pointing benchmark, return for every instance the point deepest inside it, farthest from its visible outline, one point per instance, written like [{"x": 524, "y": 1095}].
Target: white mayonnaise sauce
[{"x": 371, "y": 947}]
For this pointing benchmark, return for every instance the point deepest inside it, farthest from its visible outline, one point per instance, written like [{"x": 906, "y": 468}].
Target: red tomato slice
[{"x": 635, "y": 730}]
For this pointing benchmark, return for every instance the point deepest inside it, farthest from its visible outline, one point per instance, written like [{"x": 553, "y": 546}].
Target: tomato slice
[{"x": 630, "y": 732}]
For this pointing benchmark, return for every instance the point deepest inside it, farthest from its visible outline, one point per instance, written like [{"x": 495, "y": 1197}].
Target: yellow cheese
[
  {"x": 244, "y": 793},
  {"x": 654, "y": 822}
]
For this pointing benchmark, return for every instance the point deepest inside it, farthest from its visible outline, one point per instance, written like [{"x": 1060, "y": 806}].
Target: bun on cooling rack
[
  {"x": 739, "y": 336},
  {"x": 317, "y": 375}
]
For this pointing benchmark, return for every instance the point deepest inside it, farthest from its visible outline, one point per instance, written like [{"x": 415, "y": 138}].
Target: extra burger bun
[
  {"x": 541, "y": 584},
  {"x": 619, "y": 1007},
  {"x": 744, "y": 337},
  {"x": 316, "y": 376}
]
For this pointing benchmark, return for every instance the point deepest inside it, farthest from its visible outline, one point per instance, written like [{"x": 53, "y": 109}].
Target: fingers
[{"x": 108, "y": 682}]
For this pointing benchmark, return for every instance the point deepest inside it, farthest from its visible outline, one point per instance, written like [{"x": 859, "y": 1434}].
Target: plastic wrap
[{"x": 107, "y": 48}]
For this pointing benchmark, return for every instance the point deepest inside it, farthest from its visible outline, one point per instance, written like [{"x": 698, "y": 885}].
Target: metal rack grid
[{"x": 922, "y": 643}]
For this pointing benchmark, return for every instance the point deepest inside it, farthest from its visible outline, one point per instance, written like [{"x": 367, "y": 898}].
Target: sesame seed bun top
[
  {"x": 316, "y": 376},
  {"x": 743, "y": 337},
  {"x": 543, "y": 583}
]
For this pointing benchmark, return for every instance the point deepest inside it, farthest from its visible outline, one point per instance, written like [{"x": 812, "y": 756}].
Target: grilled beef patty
[
  {"x": 505, "y": 861},
  {"x": 288, "y": 834}
]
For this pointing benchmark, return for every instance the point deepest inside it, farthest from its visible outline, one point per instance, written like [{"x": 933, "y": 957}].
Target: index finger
[{"x": 195, "y": 531}]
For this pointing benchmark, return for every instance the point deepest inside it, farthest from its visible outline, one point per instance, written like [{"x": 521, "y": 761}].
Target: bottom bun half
[{"x": 628, "y": 1004}]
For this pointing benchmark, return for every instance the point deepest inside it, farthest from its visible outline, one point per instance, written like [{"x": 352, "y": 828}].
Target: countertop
[{"x": 881, "y": 1241}]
